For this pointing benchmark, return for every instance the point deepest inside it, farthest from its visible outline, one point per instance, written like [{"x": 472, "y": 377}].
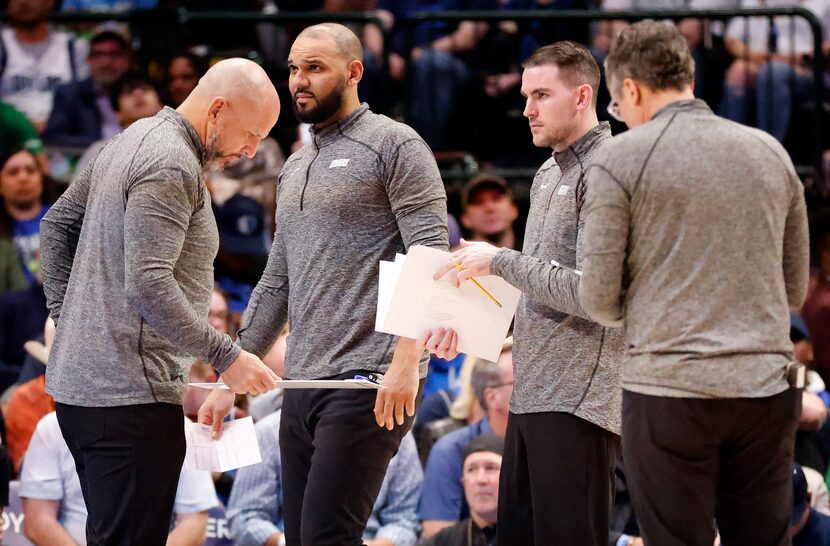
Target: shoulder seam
[
  {"x": 651, "y": 151},
  {"x": 132, "y": 161},
  {"x": 610, "y": 175},
  {"x": 347, "y": 137}
]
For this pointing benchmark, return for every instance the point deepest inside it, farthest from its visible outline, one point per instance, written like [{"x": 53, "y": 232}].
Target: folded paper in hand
[
  {"x": 235, "y": 448},
  {"x": 411, "y": 302}
]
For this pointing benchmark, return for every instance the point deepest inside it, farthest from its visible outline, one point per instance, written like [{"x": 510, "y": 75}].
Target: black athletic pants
[
  {"x": 128, "y": 459},
  {"x": 334, "y": 459},
  {"x": 557, "y": 481},
  {"x": 690, "y": 461}
]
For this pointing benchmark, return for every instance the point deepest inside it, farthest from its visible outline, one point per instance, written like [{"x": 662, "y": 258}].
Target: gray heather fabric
[
  {"x": 562, "y": 360},
  {"x": 365, "y": 188},
  {"x": 128, "y": 271},
  {"x": 696, "y": 237}
]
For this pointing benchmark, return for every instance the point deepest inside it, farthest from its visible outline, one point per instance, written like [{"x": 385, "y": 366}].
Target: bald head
[
  {"x": 237, "y": 79},
  {"x": 233, "y": 107},
  {"x": 347, "y": 45}
]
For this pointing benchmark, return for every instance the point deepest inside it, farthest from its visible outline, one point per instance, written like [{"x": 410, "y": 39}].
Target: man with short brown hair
[
  {"x": 564, "y": 422},
  {"x": 696, "y": 240}
]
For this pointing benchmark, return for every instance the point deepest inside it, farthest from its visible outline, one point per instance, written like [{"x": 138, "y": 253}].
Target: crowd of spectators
[{"x": 65, "y": 90}]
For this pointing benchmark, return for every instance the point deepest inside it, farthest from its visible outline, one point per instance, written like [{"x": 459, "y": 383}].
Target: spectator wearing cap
[
  {"x": 489, "y": 211},
  {"x": 82, "y": 111},
  {"x": 252, "y": 177},
  {"x": 480, "y": 479},
  {"x": 243, "y": 250},
  {"x": 808, "y": 527},
  {"x": 35, "y": 59},
  {"x": 442, "y": 502},
  {"x": 132, "y": 97}
]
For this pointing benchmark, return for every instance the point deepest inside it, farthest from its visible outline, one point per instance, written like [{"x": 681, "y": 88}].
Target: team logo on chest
[{"x": 338, "y": 163}]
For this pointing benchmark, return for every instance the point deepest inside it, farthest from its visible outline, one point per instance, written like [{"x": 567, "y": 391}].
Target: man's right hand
[
  {"x": 248, "y": 375},
  {"x": 215, "y": 408}
]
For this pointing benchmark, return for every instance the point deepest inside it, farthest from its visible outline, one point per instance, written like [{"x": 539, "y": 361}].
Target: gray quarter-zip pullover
[
  {"x": 127, "y": 262},
  {"x": 563, "y": 361},
  {"x": 366, "y": 188},
  {"x": 696, "y": 239}
]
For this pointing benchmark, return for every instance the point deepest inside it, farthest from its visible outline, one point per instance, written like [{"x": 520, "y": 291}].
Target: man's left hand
[
  {"x": 401, "y": 380},
  {"x": 442, "y": 342},
  {"x": 475, "y": 259}
]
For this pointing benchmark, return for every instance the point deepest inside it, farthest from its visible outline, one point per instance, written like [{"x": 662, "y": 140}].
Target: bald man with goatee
[
  {"x": 365, "y": 188},
  {"x": 128, "y": 273}
]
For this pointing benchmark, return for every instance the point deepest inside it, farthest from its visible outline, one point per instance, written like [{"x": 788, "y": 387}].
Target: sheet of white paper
[
  {"x": 419, "y": 303},
  {"x": 386, "y": 287},
  {"x": 305, "y": 384},
  {"x": 235, "y": 448},
  {"x": 389, "y": 273}
]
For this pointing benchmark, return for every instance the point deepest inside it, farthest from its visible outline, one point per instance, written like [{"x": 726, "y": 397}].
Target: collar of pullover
[
  {"x": 682, "y": 106},
  {"x": 332, "y": 132},
  {"x": 573, "y": 154},
  {"x": 192, "y": 136}
]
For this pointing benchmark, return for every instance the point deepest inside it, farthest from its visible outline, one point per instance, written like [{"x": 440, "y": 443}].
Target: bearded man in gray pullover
[
  {"x": 365, "y": 188},
  {"x": 696, "y": 240},
  {"x": 564, "y": 423}
]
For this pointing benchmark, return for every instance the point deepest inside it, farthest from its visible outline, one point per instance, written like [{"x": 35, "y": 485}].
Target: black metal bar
[
  {"x": 517, "y": 15},
  {"x": 186, "y": 16},
  {"x": 82, "y": 16}
]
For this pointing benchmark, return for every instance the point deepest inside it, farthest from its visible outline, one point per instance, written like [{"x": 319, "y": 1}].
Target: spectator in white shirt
[{"x": 53, "y": 504}]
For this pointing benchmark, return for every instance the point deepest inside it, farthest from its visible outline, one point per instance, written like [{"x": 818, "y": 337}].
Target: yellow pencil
[{"x": 475, "y": 282}]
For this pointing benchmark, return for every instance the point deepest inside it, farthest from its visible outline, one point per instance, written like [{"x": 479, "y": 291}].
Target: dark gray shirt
[
  {"x": 563, "y": 361},
  {"x": 696, "y": 238},
  {"x": 128, "y": 270},
  {"x": 365, "y": 188}
]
